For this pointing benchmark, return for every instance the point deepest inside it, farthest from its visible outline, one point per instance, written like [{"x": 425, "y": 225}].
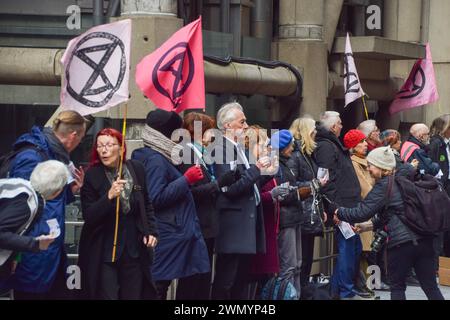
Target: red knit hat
[{"x": 352, "y": 138}]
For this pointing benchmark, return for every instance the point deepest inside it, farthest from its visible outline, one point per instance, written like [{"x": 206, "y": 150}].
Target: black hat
[{"x": 164, "y": 121}]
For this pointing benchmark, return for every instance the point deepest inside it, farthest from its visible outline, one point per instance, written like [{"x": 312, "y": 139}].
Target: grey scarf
[
  {"x": 128, "y": 187},
  {"x": 160, "y": 143},
  {"x": 56, "y": 146}
]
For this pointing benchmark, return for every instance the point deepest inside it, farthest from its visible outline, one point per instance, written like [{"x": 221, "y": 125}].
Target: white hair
[
  {"x": 329, "y": 119},
  {"x": 418, "y": 129},
  {"x": 227, "y": 113},
  {"x": 367, "y": 127},
  {"x": 49, "y": 177}
]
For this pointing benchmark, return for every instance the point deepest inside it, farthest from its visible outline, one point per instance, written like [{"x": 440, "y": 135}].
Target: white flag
[
  {"x": 352, "y": 85},
  {"x": 96, "y": 68}
]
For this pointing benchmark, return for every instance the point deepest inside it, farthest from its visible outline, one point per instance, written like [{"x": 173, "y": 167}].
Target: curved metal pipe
[{"x": 29, "y": 66}]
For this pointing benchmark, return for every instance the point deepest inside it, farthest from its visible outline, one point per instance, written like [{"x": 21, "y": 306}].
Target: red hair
[{"x": 95, "y": 159}]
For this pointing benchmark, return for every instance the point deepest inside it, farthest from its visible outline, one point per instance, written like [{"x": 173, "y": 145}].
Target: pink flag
[
  {"x": 173, "y": 76},
  {"x": 352, "y": 85},
  {"x": 96, "y": 68},
  {"x": 420, "y": 87}
]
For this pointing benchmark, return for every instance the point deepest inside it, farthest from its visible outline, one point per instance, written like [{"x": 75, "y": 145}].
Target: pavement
[{"x": 414, "y": 293}]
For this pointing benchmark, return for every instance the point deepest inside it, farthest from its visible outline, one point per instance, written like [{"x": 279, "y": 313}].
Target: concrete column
[
  {"x": 332, "y": 13},
  {"x": 302, "y": 44},
  {"x": 159, "y": 7},
  {"x": 402, "y": 20},
  {"x": 301, "y": 19},
  {"x": 153, "y": 22}
]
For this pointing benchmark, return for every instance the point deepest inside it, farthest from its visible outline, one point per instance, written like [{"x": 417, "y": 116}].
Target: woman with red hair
[{"x": 127, "y": 275}]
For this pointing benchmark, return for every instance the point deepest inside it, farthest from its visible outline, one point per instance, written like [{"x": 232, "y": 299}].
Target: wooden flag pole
[
  {"x": 124, "y": 127},
  {"x": 365, "y": 108}
]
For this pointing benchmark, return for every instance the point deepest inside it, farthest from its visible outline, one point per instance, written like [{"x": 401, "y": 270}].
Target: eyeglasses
[{"x": 108, "y": 146}]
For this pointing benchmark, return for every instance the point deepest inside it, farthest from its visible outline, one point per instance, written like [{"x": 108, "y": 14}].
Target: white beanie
[{"x": 382, "y": 157}]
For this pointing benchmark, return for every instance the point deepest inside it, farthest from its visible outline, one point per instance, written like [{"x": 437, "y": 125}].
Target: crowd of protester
[{"x": 220, "y": 206}]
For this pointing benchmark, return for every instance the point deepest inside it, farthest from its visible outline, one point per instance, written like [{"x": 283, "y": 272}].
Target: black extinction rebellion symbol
[
  {"x": 179, "y": 85},
  {"x": 419, "y": 81},
  {"x": 110, "y": 86},
  {"x": 350, "y": 86}
]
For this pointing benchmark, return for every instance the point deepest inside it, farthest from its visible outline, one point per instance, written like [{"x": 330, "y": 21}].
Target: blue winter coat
[
  {"x": 36, "y": 271},
  {"x": 181, "y": 250}
]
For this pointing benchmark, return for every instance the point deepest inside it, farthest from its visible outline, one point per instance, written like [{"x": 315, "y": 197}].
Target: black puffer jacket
[
  {"x": 437, "y": 150},
  {"x": 305, "y": 169},
  {"x": 343, "y": 185},
  {"x": 375, "y": 202},
  {"x": 290, "y": 207}
]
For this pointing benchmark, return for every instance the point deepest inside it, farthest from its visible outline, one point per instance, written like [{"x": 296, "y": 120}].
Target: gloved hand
[
  {"x": 193, "y": 174},
  {"x": 279, "y": 193},
  {"x": 227, "y": 179}
]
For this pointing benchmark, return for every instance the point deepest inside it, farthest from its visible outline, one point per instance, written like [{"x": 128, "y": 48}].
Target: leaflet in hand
[
  {"x": 346, "y": 229},
  {"x": 55, "y": 230}
]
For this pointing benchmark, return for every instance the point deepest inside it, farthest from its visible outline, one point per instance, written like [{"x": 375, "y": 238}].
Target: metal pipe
[
  {"x": 261, "y": 19},
  {"x": 225, "y": 16},
  {"x": 239, "y": 76},
  {"x": 113, "y": 8},
  {"x": 97, "y": 14},
  {"x": 381, "y": 90}
]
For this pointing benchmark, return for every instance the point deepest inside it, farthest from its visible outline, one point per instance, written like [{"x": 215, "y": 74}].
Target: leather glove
[
  {"x": 279, "y": 193},
  {"x": 227, "y": 179},
  {"x": 193, "y": 174}
]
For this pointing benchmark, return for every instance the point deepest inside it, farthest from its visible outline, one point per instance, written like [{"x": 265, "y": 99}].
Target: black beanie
[{"x": 164, "y": 121}]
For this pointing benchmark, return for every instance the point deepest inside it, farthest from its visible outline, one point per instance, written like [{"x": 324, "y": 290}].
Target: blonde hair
[
  {"x": 69, "y": 121},
  {"x": 255, "y": 134},
  {"x": 301, "y": 129}
]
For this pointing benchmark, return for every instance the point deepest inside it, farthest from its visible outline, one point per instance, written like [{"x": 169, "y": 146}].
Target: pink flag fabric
[
  {"x": 96, "y": 68},
  {"x": 173, "y": 75},
  {"x": 420, "y": 87},
  {"x": 352, "y": 85}
]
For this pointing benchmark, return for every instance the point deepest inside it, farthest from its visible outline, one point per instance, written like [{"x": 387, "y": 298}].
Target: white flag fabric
[
  {"x": 352, "y": 85},
  {"x": 96, "y": 68}
]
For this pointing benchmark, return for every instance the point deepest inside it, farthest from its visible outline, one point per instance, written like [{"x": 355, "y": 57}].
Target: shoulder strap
[
  {"x": 140, "y": 197},
  {"x": 391, "y": 180}
]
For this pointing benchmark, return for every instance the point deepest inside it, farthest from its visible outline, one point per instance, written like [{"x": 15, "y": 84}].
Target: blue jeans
[{"x": 347, "y": 264}]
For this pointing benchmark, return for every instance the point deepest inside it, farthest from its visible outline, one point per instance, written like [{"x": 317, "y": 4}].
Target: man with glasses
[{"x": 415, "y": 148}]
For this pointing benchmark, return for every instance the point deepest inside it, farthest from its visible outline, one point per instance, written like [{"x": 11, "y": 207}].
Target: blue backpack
[{"x": 279, "y": 289}]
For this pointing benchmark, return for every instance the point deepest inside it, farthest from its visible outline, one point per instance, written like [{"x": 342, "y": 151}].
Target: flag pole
[
  {"x": 122, "y": 147},
  {"x": 365, "y": 108}
]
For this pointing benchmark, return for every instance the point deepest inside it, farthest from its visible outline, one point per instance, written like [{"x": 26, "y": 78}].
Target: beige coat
[{"x": 366, "y": 182}]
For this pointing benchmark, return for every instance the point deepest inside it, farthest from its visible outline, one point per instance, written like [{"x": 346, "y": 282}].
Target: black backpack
[
  {"x": 427, "y": 205},
  {"x": 6, "y": 160}
]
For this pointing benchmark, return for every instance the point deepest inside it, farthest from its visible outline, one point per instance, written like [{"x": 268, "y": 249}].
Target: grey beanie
[{"x": 382, "y": 157}]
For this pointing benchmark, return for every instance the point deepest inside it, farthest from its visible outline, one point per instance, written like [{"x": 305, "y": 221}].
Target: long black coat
[
  {"x": 99, "y": 215},
  {"x": 205, "y": 194},
  {"x": 343, "y": 185},
  {"x": 437, "y": 150},
  {"x": 241, "y": 222}
]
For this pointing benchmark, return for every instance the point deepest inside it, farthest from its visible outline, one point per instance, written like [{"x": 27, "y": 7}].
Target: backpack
[
  {"x": 7, "y": 159},
  {"x": 279, "y": 289},
  {"x": 426, "y": 203}
]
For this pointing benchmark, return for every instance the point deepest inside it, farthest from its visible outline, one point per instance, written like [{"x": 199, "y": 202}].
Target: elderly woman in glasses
[{"x": 116, "y": 255}]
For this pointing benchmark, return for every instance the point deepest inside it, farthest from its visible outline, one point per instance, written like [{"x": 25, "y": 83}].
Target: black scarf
[{"x": 56, "y": 146}]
